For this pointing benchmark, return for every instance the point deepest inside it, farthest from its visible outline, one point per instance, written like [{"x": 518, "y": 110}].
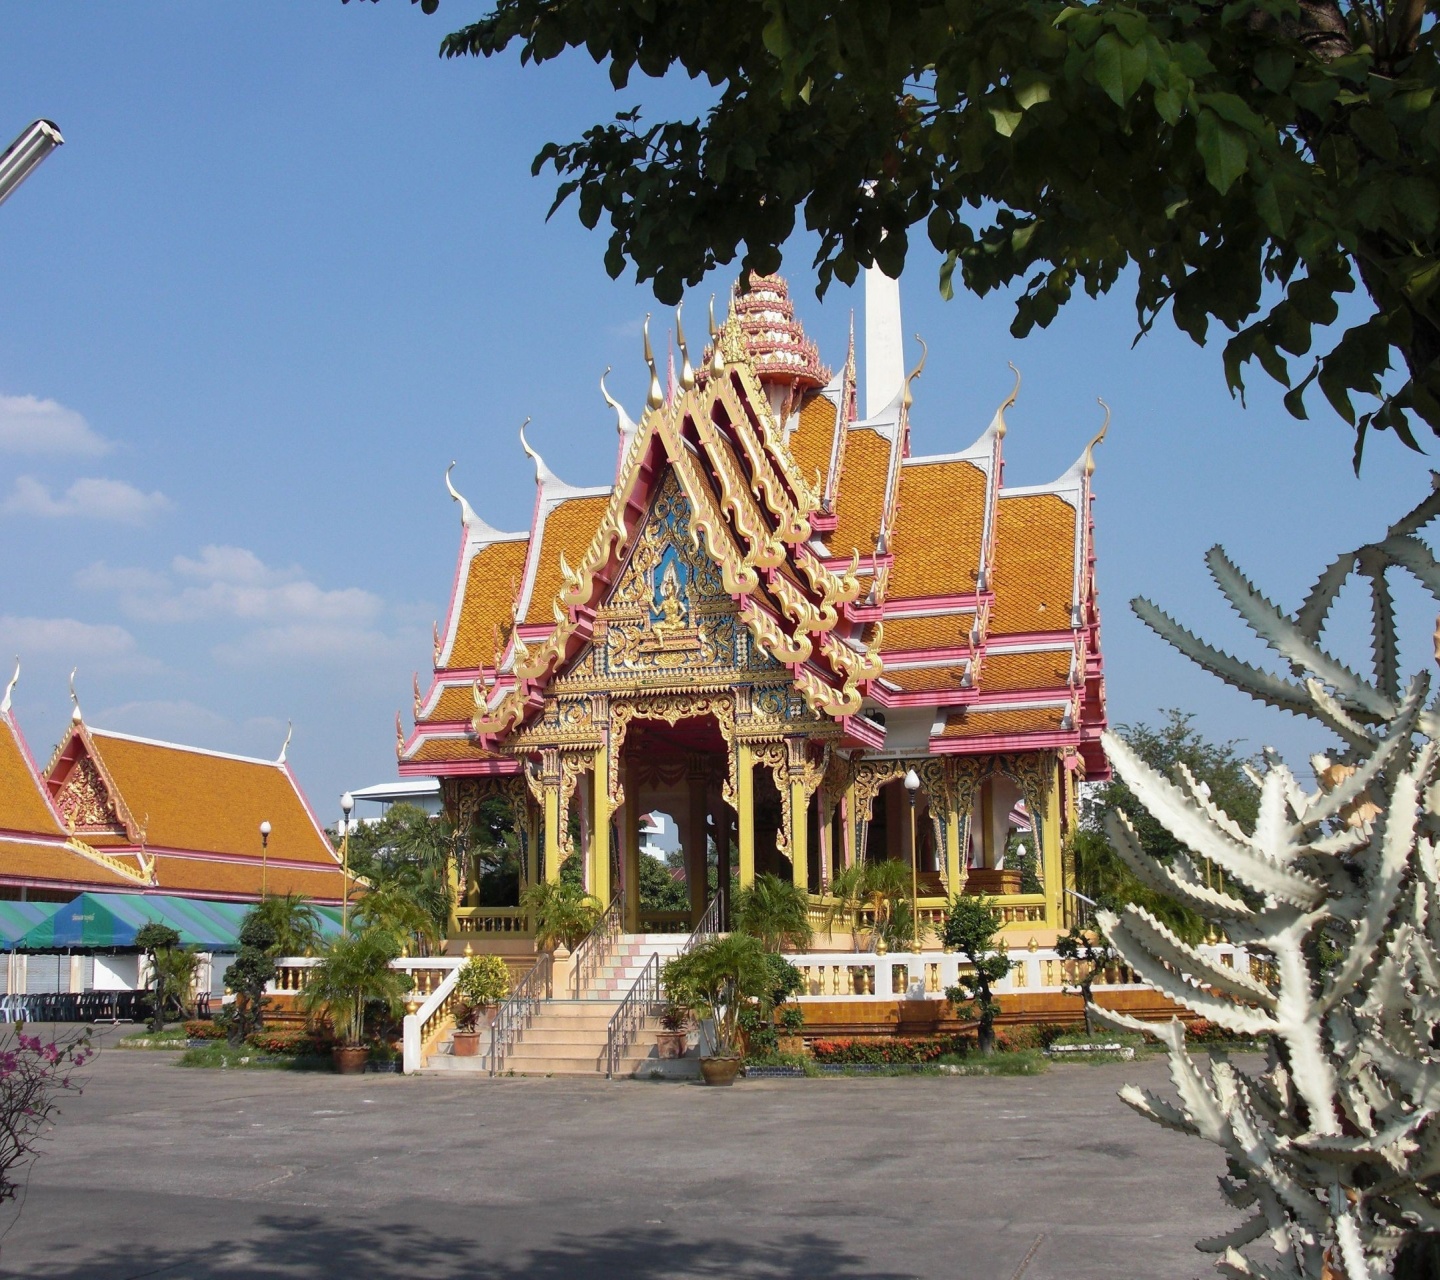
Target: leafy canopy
[
  {"x": 1244, "y": 164},
  {"x": 776, "y": 912}
]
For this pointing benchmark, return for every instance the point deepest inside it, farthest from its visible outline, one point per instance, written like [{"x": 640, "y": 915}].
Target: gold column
[
  {"x": 745, "y": 813},
  {"x": 826, "y": 829},
  {"x": 799, "y": 809},
  {"x": 550, "y": 780},
  {"x": 954, "y": 828},
  {"x": 721, "y": 818},
  {"x": 599, "y": 852},
  {"x": 1053, "y": 873},
  {"x": 696, "y": 862},
  {"x": 630, "y": 847}
]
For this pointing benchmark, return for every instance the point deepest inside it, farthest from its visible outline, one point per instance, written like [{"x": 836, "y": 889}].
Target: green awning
[
  {"x": 18, "y": 918},
  {"x": 106, "y": 921}
]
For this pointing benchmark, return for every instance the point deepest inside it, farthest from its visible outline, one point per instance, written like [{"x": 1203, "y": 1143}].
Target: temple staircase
[{"x": 567, "y": 1034}]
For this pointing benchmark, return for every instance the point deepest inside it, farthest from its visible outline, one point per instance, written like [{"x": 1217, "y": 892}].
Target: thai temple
[
  {"x": 112, "y": 813},
  {"x": 771, "y": 614}
]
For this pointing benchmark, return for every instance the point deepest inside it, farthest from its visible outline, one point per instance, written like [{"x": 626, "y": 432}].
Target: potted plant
[
  {"x": 483, "y": 983},
  {"x": 671, "y": 1039},
  {"x": 792, "y": 1023},
  {"x": 354, "y": 972},
  {"x": 724, "y": 975}
]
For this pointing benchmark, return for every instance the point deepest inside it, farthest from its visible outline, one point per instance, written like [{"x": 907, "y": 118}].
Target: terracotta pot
[
  {"x": 487, "y": 1015},
  {"x": 467, "y": 1044},
  {"x": 671, "y": 1044},
  {"x": 350, "y": 1059},
  {"x": 720, "y": 1070}
]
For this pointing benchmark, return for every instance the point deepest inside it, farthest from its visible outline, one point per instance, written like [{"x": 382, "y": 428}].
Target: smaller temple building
[{"x": 119, "y": 814}]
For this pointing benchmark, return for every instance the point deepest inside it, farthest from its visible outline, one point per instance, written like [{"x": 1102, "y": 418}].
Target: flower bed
[{"x": 203, "y": 1029}]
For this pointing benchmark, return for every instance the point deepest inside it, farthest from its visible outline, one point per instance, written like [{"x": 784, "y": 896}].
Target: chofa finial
[
  {"x": 622, "y": 419},
  {"x": 909, "y": 398},
  {"x": 655, "y": 397},
  {"x": 285, "y": 746},
  {"x": 10, "y": 688},
  {"x": 687, "y": 370},
  {"x": 75, "y": 716},
  {"x": 717, "y": 360},
  {"x": 1089, "y": 463}
]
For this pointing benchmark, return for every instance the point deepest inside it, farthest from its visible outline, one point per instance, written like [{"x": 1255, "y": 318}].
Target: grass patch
[
  {"x": 170, "y": 1038},
  {"x": 1014, "y": 1062},
  {"x": 227, "y": 1057}
]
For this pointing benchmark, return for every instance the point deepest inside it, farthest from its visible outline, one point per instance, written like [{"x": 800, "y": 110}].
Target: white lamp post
[
  {"x": 265, "y": 829},
  {"x": 912, "y": 790},
  {"x": 20, "y": 158},
  {"x": 347, "y": 803}
]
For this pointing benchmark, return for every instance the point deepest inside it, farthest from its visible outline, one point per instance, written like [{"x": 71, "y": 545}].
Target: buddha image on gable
[{"x": 670, "y": 607}]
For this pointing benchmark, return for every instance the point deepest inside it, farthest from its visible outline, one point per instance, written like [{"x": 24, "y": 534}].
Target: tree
[
  {"x": 33, "y": 1075},
  {"x": 563, "y": 913},
  {"x": 1175, "y": 746},
  {"x": 154, "y": 940},
  {"x": 292, "y": 919},
  {"x": 1092, "y": 954},
  {"x": 721, "y": 978},
  {"x": 882, "y": 888},
  {"x": 353, "y": 974},
  {"x": 249, "y": 974},
  {"x": 659, "y": 889},
  {"x": 1244, "y": 164},
  {"x": 971, "y": 924},
  {"x": 776, "y": 912}
]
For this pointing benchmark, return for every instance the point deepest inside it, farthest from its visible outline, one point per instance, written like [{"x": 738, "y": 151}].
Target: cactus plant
[{"x": 1333, "y": 1149}]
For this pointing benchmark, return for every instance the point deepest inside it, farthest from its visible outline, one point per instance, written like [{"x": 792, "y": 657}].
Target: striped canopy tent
[
  {"x": 18, "y": 918},
  {"x": 110, "y": 921}
]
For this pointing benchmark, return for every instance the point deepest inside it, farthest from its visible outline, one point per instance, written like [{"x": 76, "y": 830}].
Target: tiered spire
[{"x": 778, "y": 348}]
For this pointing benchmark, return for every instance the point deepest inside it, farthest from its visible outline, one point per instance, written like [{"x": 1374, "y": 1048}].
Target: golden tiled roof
[
  {"x": 813, "y": 440},
  {"x": 189, "y": 799},
  {"x": 939, "y": 526},
  {"x": 491, "y": 585},
  {"x": 452, "y": 704},
  {"x": 196, "y": 875},
  {"x": 1034, "y": 564},
  {"x": 51, "y": 860},
  {"x": 926, "y": 679},
  {"x": 1020, "y": 672},
  {"x": 570, "y": 527},
  {"x": 448, "y": 749},
  {"x": 973, "y": 722},
  {"x": 860, "y": 502},
  {"x": 23, "y": 806},
  {"x": 941, "y": 631}
]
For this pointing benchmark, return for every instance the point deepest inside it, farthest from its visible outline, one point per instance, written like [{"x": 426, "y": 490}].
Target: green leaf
[
  {"x": 1274, "y": 68},
  {"x": 1120, "y": 68},
  {"x": 1006, "y": 121},
  {"x": 1222, "y": 148},
  {"x": 1235, "y": 110},
  {"x": 1031, "y": 90}
]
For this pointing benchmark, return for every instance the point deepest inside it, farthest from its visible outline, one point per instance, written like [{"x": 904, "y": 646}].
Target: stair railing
[
  {"x": 518, "y": 1011},
  {"x": 642, "y": 1000},
  {"x": 647, "y": 993},
  {"x": 587, "y": 958}
]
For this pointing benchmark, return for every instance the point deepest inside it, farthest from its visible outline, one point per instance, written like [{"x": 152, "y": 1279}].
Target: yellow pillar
[
  {"x": 953, "y": 824},
  {"x": 631, "y": 849},
  {"x": 600, "y": 826},
  {"x": 1053, "y": 866},
  {"x": 696, "y": 862},
  {"x": 799, "y": 834},
  {"x": 552, "y": 830},
  {"x": 826, "y": 831},
  {"x": 745, "y": 813},
  {"x": 532, "y": 845}
]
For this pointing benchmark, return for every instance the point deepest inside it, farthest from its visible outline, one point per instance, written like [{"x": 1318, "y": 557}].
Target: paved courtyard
[{"x": 162, "y": 1172}]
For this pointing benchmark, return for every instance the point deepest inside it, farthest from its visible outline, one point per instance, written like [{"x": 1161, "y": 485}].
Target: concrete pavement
[{"x": 157, "y": 1171}]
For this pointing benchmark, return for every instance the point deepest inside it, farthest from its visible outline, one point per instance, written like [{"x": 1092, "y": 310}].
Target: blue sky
[{"x": 289, "y": 264}]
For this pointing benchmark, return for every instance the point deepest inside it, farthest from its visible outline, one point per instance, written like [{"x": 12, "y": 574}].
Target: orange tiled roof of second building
[{"x": 24, "y": 806}]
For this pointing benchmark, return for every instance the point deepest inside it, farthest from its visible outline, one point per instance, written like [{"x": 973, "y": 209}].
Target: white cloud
[
  {"x": 230, "y": 582},
  {"x": 86, "y": 499},
  {"x": 68, "y": 641},
  {"x": 33, "y": 426}
]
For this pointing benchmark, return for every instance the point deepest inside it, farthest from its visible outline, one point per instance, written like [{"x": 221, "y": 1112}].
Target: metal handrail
[
  {"x": 644, "y": 998},
  {"x": 708, "y": 926},
  {"x": 587, "y": 958},
  {"x": 518, "y": 1010}
]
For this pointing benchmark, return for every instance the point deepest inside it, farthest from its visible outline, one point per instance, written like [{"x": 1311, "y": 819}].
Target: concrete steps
[{"x": 567, "y": 1037}]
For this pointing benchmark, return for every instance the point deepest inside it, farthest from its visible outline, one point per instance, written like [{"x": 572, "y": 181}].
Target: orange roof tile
[
  {"x": 22, "y": 859},
  {"x": 570, "y": 527},
  {"x": 199, "y": 875},
  {"x": 813, "y": 440},
  {"x": 939, "y": 526},
  {"x": 491, "y": 586},
  {"x": 1034, "y": 564},
  {"x": 190, "y": 799},
  {"x": 449, "y": 749},
  {"x": 1016, "y": 672},
  {"x": 454, "y": 703},
  {"x": 975, "y": 722},
  {"x": 860, "y": 502},
  {"x": 944, "y": 630},
  {"x": 927, "y": 679},
  {"x": 23, "y": 806}
]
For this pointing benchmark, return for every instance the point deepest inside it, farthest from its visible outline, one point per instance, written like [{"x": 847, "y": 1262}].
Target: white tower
[{"x": 884, "y": 343}]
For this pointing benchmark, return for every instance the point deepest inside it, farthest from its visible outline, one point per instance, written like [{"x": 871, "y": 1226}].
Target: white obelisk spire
[{"x": 884, "y": 345}]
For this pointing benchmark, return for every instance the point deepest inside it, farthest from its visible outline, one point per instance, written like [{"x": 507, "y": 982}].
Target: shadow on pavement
[{"x": 299, "y": 1247}]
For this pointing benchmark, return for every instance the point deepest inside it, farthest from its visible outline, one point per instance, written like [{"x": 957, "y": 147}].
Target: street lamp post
[
  {"x": 264, "y": 852},
  {"x": 20, "y": 158},
  {"x": 347, "y": 803},
  {"x": 912, "y": 790}
]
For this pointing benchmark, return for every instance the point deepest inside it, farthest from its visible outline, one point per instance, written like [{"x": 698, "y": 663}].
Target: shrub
[
  {"x": 290, "y": 1044},
  {"x": 792, "y": 1019},
  {"x": 892, "y": 1052},
  {"x": 196, "y": 1029},
  {"x": 483, "y": 980}
]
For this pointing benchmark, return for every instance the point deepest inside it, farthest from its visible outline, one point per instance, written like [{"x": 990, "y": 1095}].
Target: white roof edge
[
  {"x": 402, "y": 786},
  {"x": 180, "y": 746}
]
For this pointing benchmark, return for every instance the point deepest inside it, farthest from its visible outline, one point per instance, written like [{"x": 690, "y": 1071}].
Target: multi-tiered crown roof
[{"x": 915, "y": 599}]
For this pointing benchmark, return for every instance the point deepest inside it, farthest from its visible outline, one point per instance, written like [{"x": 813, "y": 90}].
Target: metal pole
[
  {"x": 21, "y": 157},
  {"x": 914, "y": 878}
]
